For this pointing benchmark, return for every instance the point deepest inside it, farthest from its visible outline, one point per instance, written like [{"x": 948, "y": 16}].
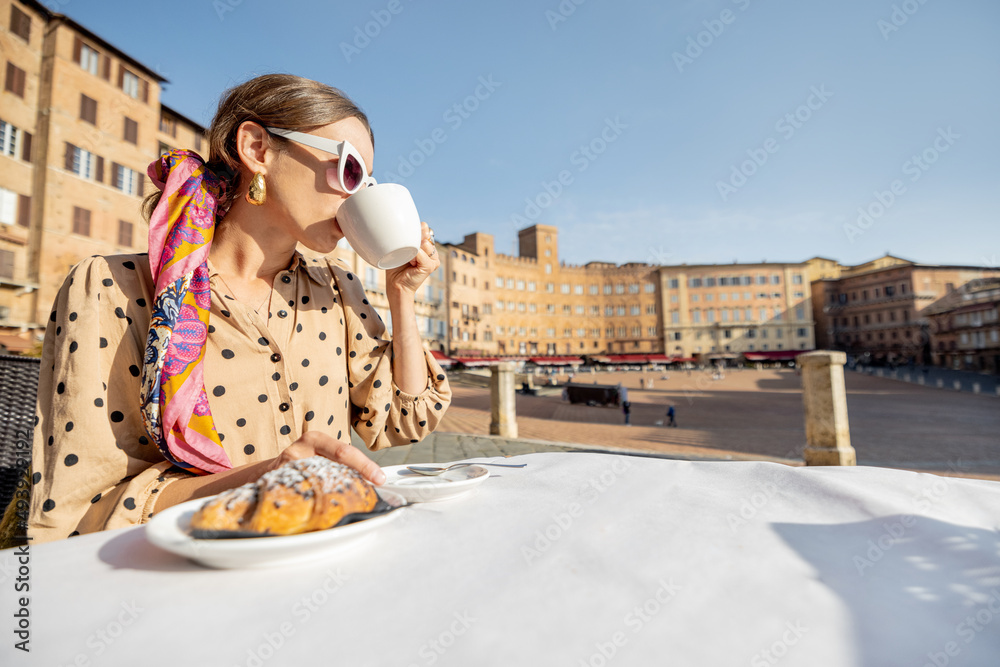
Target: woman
[{"x": 225, "y": 352}]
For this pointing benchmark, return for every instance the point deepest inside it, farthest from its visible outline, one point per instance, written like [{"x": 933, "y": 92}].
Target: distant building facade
[{"x": 965, "y": 327}]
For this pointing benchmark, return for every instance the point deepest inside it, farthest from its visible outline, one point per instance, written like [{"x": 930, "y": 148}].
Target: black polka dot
[
  {"x": 339, "y": 433},
  {"x": 141, "y": 302},
  {"x": 104, "y": 343},
  {"x": 403, "y": 411},
  {"x": 74, "y": 533},
  {"x": 305, "y": 362},
  {"x": 293, "y": 386},
  {"x": 298, "y": 328},
  {"x": 353, "y": 354},
  {"x": 134, "y": 370},
  {"x": 228, "y": 354},
  {"x": 322, "y": 335},
  {"x": 276, "y": 376},
  {"x": 60, "y": 388},
  {"x": 36, "y": 478},
  {"x": 58, "y": 330},
  {"x": 340, "y": 351},
  {"x": 48, "y": 505},
  {"x": 107, "y": 282},
  {"x": 387, "y": 407},
  {"x": 52, "y": 316},
  {"x": 249, "y": 449},
  {"x": 263, "y": 341},
  {"x": 368, "y": 367},
  {"x": 340, "y": 390},
  {"x": 71, "y": 459},
  {"x": 222, "y": 436},
  {"x": 323, "y": 380},
  {"x": 225, "y": 313},
  {"x": 367, "y": 410},
  {"x": 219, "y": 390},
  {"x": 423, "y": 422},
  {"x": 368, "y": 423},
  {"x": 143, "y": 440},
  {"x": 377, "y": 384},
  {"x": 69, "y": 426},
  {"x": 127, "y": 319},
  {"x": 350, "y": 277},
  {"x": 286, "y": 429},
  {"x": 120, "y": 313},
  {"x": 414, "y": 441},
  {"x": 262, "y": 398},
  {"x": 99, "y": 402},
  {"x": 323, "y": 309},
  {"x": 211, "y": 328},
  {"x": 330, "y": 420},
  {"x": 73, "y": 346},
  {"x": 95, "y": 499},
  {"x": 440, "y": 377},
  {"x": 397, "y": 430},
  {"x": 129, "y": 503},
  {"x": 129, "y": 264},
  {"x": 291, "y": 302},
  {"x": 358, "y": 336},
  {"x": 363, "y": 316},
  {"x": 241, "y": 422},
  {"x": 397, "y": 392},
  {"x": 72, "y": 317},
  {"x": 438, "y": 406},
  {"x": 117, "y": 416},
  {"x": 305, "y": 300}
]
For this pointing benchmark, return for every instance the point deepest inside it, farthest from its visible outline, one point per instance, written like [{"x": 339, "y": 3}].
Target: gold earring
[{"x": 257, "y": 192}]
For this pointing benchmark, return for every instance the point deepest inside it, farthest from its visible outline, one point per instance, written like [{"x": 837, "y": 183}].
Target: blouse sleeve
[
  {"x": 94, "y": 467},
  {"x": 382, "y": 414}
]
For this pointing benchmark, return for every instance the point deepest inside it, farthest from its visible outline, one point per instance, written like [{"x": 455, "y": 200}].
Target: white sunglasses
[{"x": 352, "y": 174}]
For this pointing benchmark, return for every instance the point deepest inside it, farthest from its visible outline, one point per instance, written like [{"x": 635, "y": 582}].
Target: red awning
[
  {"x": 659, "y": 359},
  {"x": 627, "y": 359},
  {"x": 556, "y": 361},
  {"x": 442, "y": 358},
  {"x": 773, "y": 355},
  {"x": 477, "y": 361}
]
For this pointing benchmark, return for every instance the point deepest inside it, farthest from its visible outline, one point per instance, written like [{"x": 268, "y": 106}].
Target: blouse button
[
  {"x": 284, "y": 407},
  {"x": 275, "y": 357},
  {"x": 282, "y": 313},
  {"x": 286, "y": 279}
]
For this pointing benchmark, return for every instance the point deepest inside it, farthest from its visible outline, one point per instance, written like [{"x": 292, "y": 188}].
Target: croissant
[{"x": 298, "y": 497}]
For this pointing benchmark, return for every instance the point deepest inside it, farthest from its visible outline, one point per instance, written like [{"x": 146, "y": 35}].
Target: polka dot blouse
[{"x": 318, "y": 361}]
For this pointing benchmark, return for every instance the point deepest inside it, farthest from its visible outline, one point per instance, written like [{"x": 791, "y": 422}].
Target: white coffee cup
[{"x": 382, "y": 225}]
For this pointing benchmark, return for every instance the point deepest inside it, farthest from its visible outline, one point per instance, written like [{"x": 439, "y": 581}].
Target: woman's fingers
[{"x": 313, "y": 442}]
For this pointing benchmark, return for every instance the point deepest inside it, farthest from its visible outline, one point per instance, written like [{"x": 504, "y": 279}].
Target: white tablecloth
[{"x": 577, "y": 559}]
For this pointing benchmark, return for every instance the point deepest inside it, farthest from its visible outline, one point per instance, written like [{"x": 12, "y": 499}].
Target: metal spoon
[{"x": 431, "y": 471}]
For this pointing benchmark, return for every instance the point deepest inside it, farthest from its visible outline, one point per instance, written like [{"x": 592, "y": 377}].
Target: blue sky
[{"x": 663, "y": 132}]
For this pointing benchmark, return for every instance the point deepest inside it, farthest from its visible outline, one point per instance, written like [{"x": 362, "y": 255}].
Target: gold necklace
[{"x": 266, "y": 300}]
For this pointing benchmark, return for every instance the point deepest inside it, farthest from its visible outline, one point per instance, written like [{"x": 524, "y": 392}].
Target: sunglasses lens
[{"x": 353, "y": 173}]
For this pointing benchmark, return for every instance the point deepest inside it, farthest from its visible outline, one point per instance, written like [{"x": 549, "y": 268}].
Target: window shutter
[
  {"x": 106, "y": 68},
  {"x": 23, "y": 210},
  {"x": 77, "y": 49},
  {"x": 140, "y": 184},
  {"x": 26, "y": 146},
  {"x": 144, "y": 90},
  {"x": 68, "y": 157},
  {"x": 121, "y": 75},
  {"x": 21, "y": 75},
  {"x": 114, "y": 174},
  {"x": 100, "y": 170},
  {"x": 6, "y": 264}
]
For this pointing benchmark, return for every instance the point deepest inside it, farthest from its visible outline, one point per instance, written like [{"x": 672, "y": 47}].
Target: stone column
[
  {"x": 503, "y": 413},
  {"x": 828, "y": 438}
]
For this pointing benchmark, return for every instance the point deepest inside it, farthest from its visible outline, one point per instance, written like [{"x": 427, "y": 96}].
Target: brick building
[
  {"x": 965, "y": 327},
  {"x": 876, "y": 311}
]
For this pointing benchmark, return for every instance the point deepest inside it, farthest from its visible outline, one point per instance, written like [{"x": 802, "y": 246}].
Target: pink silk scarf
[{"x": 175, "y": 406}]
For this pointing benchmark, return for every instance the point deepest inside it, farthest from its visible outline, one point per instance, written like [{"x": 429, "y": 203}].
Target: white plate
[
  {"x": 423, "y": 489},
  {"x": 169, "y": 530}
]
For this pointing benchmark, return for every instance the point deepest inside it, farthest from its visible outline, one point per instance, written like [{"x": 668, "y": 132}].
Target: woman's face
[{"x": 304, "y": 200}]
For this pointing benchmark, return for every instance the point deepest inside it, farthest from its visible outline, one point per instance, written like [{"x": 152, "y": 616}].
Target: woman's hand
[
  {"x": 313, "y": 443},
  {"x": 409, "y": 277}
]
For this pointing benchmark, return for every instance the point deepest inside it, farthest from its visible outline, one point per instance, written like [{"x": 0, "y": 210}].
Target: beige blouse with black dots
[{"x": 318, "y": 361}]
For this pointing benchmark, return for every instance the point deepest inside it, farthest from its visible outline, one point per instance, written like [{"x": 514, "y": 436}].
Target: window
[
  {"x": 532, "y": 307},
  {"x": 577, "y": 289},
  {"x": 633, "y": 310},
  {"x": 621, "y": 332},
  {"x": 620, "y": 288},
  {"x": 761, "y": 280},
  {"x": 89, "y": 58},
  {"x": 890, "y": 290},
  {"x": 802, "y": 332},
  {"x": 727, "y": 333},
  {"x": 651, "y": 332},
  {"x": 8, "y": 138},
  {"x": 650, "y": 288},
  {"x": 6, "y": 264},
  {"x": 651, "y": 309},
  {"x": 674, "y": 283},
  {"x": 521, "y": 307},
  {"x": 550, "y": 288},
  {"x": 608, "y": 289},
  {"x": 510, "y": 283},
  {"x": 129, "y": 83},
  {"x": 620, "y": 311},
  {"x": 125, "y": 179},
  {"x": 779, "y": 333},
  {"x": 798, "y": 295},
  {"x": 81, "y": 221},
  {"x": 695, "y": 298},
  {"x": 14, "y": 208},
  {"x": 548, "y": 268},
  {"x": 88, "y": 109},
  {"x": 725, "y": 314},
  {"x": 531, "y": 286},
  {"x": 633, "y": 288},
  {"x": 609, "y": 332},
  {"x": 580, "y": 310},
  {"x": 567, "y": 309},
  {"x": 609, "y": 311},
  {"x": 763, "y": 314},
  {"x": 499, "y": 281},
  {"x": 675, "y": 317},
  {"x": 168, "y": 125},
  {"x": 131, "y": 131},
  {"x": 15, "y": 79},
  {"x": 694, "y": 282},
  {"x": 499, "y": 305},
  {"x": 567, "y": 333},
  {"x": 710, "y": 282},
  {"x": 20, "y": 23},
  {"x": 550, "y": 332},
  {"x": 775, "y": 279},
  {"x": 487, "y": 307},
  {"x": 124, "y": 233},
  {"x": 550, "y": 309},
  {"x": 796, "y": 278},
  {"x": 595, "y": 310},
  {"x": 594, "y": 289},
  {"x": 581, "y": 333},
  {"x": 695, "y": 316},
  {"x": 84, "y": 163},
  {"x": 564, "y": 288},
  {"x": 710, "y": 316}
]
